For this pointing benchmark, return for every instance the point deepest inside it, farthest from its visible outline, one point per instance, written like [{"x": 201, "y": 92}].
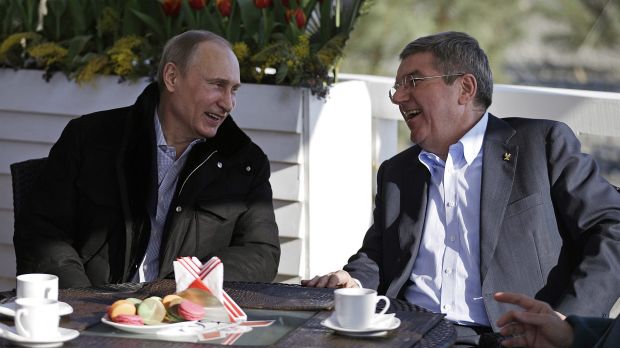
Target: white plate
[
  {"x": 8, "y": 308},
  {"x": 146, "y": 329},
  {"x": 382, "y": 324},
  {"x": 9, "y": 333}
]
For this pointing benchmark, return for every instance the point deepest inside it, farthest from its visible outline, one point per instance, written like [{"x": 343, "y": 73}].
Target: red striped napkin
[{"x": 189, "y": 272}]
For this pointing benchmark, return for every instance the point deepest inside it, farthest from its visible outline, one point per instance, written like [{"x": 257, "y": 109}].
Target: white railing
[{"x": 594, "y": 116}]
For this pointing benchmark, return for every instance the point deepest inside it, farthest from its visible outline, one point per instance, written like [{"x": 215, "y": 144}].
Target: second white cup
[
  {"x": 37, "y": 285},
  {"x": 355, "y": 307},
  {"x": 37, "y": 318}
]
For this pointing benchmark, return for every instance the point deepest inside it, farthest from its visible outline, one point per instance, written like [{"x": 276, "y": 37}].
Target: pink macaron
[
  {"x": 129, "y": 319},
  {"x": 188, "y": 310}
]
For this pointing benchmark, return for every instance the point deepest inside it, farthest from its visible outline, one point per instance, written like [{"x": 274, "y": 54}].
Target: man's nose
[
  {"x": 228, "y": 101},
  {"x": 401, "y": 95}
]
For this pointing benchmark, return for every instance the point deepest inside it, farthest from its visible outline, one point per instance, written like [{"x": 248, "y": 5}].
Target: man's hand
[
  {"x": 338, "y": 279},
  {"x": 537, "y": 326}
]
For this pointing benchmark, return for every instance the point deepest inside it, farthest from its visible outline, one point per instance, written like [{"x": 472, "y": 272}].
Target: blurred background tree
[{"x": 559, "y": 43}]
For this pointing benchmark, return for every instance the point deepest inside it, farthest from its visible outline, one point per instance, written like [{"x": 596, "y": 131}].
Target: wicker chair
[{"x": 24, "y": 175}]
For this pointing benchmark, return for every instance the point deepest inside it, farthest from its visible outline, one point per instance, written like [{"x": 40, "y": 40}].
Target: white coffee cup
[
  {"x": 37, "y": 318},
  {"x": 37, "y": 285},
  {"x": 355, "y": 307}
]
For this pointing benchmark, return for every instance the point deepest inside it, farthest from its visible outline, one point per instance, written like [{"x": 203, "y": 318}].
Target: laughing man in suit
[{"x": 482, "y": 204}]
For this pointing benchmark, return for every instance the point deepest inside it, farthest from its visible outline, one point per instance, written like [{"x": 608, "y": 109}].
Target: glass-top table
[
  {"x": 297, "y": 313},
  {"x": 283, "y": 323}
]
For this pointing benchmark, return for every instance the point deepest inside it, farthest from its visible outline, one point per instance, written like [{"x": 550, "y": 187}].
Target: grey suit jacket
[{"x": 549, "y": 223}]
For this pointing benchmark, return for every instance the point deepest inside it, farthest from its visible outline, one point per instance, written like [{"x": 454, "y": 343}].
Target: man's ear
[
  {"x": 170, "y": 76},
  {"x": 469, "y": 87}
]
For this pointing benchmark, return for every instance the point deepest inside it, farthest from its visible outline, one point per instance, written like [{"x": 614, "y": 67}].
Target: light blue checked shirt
[
  {"x": 446, "y": 272},
  {"x": 168, "y": 169}
]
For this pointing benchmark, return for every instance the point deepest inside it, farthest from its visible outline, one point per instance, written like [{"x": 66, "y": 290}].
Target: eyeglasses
[{"x": 409, "y": 80}]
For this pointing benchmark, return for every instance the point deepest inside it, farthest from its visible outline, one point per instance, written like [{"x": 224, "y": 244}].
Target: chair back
[{"x": 24, "y": 175}]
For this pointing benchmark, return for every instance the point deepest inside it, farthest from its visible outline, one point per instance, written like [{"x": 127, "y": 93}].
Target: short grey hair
[
  {"x": 180, "y": 50},
  {"x": 457, "y": 52}
]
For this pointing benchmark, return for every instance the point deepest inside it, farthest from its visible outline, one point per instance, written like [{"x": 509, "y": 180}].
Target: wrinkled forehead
[
  {"x": 418, "y": 64},
  {"x": 217, "y": 60}
]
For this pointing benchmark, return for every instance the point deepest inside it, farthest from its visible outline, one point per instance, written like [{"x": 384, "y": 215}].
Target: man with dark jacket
[
  {"x": 482, "y": 204},
  {"x": 126, "y": 191}
]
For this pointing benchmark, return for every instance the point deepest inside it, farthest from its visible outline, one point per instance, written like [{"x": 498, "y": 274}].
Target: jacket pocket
[
  {"x": 221, "y": 211},
  {"x": 523, "y": 204},
  {"x": 215, "y": 225}
]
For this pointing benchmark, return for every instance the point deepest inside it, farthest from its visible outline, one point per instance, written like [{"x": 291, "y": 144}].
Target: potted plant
[{"x": 283, "y": 42}]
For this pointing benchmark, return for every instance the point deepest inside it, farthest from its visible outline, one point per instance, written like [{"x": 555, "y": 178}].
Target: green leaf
[
  {"x": 207, "y": 22},
  {"x": 151, "y": 24},
  {"x": 250, "y": 17},
  {"x": 281, "y": 73},
  {"x": 77, "y": 16},
  {"x": 233, "y": 32},
  {"x": 75, "y": 47},
  {"x": 131, "y": 22}
]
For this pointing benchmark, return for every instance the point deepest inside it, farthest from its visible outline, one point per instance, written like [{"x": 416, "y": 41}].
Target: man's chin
[{"x": 209, "y": 132}]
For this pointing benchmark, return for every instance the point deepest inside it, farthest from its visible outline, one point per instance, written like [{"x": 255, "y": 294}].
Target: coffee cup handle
[
  {"x": 387, "y": 304},
  {"x": 48, "y": 290},
  {"x": 18, "y": 321}
]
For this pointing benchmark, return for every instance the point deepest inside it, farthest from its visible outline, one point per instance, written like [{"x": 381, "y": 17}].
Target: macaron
[
  {"x": 152, "y": 311},
  {"x": 121, "y": 307},
  {"x": 172, "y": 314},
  {"x": 129, "y": 319},
  {"x": 171, "y": 300},
  {"x": 135, "y": 301},
  {"x": 188, "y": 310}
]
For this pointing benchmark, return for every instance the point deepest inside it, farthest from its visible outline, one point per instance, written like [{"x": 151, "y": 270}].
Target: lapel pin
[{"x": 507, "y": 156}]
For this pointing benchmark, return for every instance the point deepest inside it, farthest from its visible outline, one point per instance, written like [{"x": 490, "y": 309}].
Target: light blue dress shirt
[
  {"x": 446, "y": 272},
  {"x": 168, "y": 170}
]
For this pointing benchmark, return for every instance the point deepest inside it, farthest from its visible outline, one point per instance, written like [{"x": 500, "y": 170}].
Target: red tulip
[
  {"x": 171, "y": 7},
  {"x": 198, "y": 4},
  {"x": 300, "y": 17},
  {"x": 262, "y": 3},
  {"x": 225, "y": 7}
]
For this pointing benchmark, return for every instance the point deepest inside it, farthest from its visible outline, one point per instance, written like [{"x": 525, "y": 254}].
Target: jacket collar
[{"x": 498, "y": 170}]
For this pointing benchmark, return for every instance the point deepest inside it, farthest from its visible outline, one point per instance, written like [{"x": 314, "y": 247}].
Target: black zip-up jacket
[{"x": 87, "y": 220}]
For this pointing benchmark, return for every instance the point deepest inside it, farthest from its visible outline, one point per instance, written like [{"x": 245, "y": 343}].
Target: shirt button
[
  {"x": 219, "y": 164},
  {"x": 451, "y": 204},
  {"x": 452, "y": 238},
  {"x": 446, "y": 307},
  {"x": 178, "y": 209},
  {"x": 447, "y": 270}
]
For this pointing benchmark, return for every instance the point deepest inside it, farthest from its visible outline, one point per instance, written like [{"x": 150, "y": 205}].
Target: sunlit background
[{"x": 555, "y": 43}]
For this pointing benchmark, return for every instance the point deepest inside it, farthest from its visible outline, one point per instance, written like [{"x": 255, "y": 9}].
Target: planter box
[{"x": 320, "y": 153}]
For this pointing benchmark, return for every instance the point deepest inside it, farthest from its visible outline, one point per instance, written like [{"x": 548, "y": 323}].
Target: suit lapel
[
  {"x": 413, "y": 198},
  {"x": 136, "y": 173},
  {"x": 498, "y": 170}
]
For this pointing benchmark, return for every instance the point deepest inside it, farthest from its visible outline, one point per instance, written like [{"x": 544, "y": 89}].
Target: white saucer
[
  {"x": 150, "y": 329},
  {"x": 8, "y": 308},
  {"x": 380, "y": 326},
  {"x": 8, "y": 332}
]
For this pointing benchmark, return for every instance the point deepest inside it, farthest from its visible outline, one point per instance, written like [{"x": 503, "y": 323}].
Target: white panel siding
[
  {"x": 7, "y": 262},
  {"x": 288, "y": 218},
  {"x": 289, "y": 258},
  {"x": 6, "y": 191},
  {"x": 6, "y": 227}
]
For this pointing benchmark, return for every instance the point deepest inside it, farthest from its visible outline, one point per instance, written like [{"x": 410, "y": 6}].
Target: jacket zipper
[{"x": 193, "y": 171}]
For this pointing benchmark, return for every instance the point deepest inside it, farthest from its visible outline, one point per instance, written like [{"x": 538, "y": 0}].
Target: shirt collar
[
  {"x": 160, "y": 139},
  {"x": 472, "y": 140},
  {"x": 471, "y": 143}
]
